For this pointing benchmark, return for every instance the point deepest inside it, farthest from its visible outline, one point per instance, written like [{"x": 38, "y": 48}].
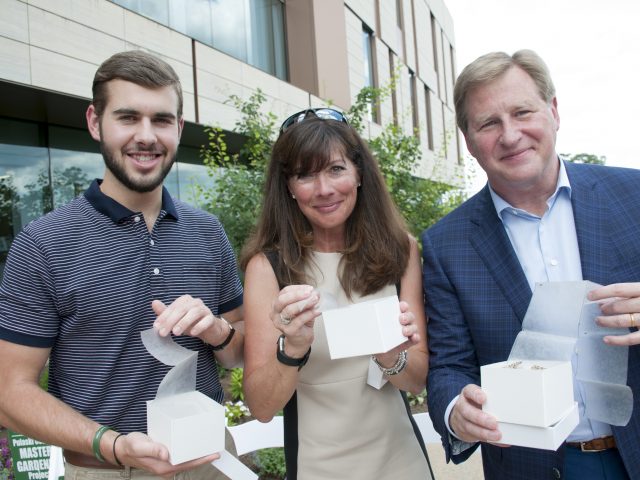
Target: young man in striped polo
[{"x": 82, "y": 282}]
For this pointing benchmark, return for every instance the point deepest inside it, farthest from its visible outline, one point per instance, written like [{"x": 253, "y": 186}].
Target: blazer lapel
[
  {"x": 591, "y": 215},
  {"x": 492, "y": 244}
]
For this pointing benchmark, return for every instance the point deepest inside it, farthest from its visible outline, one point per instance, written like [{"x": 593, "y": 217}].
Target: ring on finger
[
  {"x": 632, "y": 321},
  {"x": 284, "y": 320}
]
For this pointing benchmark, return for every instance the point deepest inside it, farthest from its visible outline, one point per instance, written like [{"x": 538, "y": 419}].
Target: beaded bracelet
[
  {"x": 399, "y": 366},
  {"x": 95, "y": 445}
]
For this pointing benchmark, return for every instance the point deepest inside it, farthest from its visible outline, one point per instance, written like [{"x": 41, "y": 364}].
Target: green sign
[{"x": 30, "y": 457}]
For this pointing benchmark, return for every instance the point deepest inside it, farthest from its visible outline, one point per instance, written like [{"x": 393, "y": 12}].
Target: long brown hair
[{"x": 377, "y": 242}]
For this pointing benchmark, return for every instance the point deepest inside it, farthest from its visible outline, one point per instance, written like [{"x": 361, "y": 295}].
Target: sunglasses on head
[{"x": 324, "y": 113}]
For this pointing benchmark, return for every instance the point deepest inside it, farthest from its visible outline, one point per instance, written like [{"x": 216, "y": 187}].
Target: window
[
  {"x": 394, "y": 96},
  {"x": 43, "y": 167},
  {"x": 400, "y": 29},
  {"x": 434, "y": 42},
  {"x": 427, "y": 106},
  {"x": 367, "y": 56},
  {"x": 249, "y": 30},
  {"x": 414, "y": 103}
]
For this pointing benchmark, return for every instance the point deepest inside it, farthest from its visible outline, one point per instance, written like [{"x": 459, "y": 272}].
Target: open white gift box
[
  {"x": 364, "y": 328},
  {"x": 532, "y": 401},
  {"x": 191, "y": 425},
  {"x": 529, "y": 392},
  {"x": 546, "y": 438}
]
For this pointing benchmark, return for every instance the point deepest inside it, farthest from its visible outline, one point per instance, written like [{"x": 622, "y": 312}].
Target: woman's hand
[
  {"x": 293, "y": 312},
  {"x": 410, "y": 330}
]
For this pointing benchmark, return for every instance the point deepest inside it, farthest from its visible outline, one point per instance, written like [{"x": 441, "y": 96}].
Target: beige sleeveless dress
[{"x": 346, "y": 428}]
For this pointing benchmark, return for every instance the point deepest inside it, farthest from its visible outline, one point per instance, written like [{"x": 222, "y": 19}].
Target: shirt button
[
  {"x": 156, "y": 271},
  {"x": 554, "y": 262},
  {"x": 151, "y": 242},
  {"x": 136, "y": 219},
  {"x": 556, "y": 473}
]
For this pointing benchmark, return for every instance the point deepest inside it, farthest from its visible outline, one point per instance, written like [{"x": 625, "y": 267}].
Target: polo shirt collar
[{"x": 117, "y": 212}]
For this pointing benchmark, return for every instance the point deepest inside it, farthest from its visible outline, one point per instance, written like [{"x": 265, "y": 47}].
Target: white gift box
[
  {"x": 528, "y": 392},
  {"x": 191, "y": 425},
  {"x": 546, "y": 438},
  {"x": 364, "y": 328}
]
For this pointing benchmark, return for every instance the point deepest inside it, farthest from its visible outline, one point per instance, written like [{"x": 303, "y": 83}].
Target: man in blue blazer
[{"x": 538, "y": 219}]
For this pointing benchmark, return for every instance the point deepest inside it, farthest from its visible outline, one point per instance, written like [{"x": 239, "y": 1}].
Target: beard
[{"x": 143, "y": 185}]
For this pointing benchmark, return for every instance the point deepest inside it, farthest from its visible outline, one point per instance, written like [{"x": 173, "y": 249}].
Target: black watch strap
[
  {"x": 227, "y": 340},
  {"x": 286, "y": 359}
]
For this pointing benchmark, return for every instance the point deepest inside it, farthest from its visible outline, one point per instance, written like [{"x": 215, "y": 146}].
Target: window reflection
[
  {"x": 191, "y": 177},
  {"x": 36, "y": 178},
  {"x": 193, "y": 18},
  {"x": 230, "y": 27},
  {"x": 72, "y": 173},
  {"x": 24, "y": 191},
  {"x": 249, "y": 30}
]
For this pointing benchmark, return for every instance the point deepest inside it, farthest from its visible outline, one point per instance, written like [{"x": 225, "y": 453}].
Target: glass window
[
  {"x": 192, "y": 176},
  {"x": 36, "y": 176},
  {"x": 367, "y": 56},
  {"x": 193, "y": 18},
  {"x": 399, "y": 28},
  {"x": 157, "y": 10},
  {"x": 414, "y": 104},
  {"x": 230, "y": 33},
  {"x": 24, "y": 180},
  {"x": 75, "y": 162},
  {"x": 267, "y": 36},
  {"x": 191, "y": 172},
  {"x": 249, "y": 30},
  {"x": 429, "y": 126}
]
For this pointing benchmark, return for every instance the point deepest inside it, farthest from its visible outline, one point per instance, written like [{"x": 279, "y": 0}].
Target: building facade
[{"x": 300, "y": 53}]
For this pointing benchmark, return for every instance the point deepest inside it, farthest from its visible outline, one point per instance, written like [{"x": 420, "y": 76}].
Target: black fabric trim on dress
[{"x": 290, "y": 410}]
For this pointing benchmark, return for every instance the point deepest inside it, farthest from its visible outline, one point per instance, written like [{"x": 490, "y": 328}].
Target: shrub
[
  {"x": 6, "y": 466},
  {"x": 270, "y": 463},
  {"x": 236, "y": 413},
  {"x": 235, "y": 385}
]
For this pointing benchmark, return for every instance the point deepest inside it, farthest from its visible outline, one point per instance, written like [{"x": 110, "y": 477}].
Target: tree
[
  {"x": 239, "y": 178},
  {"x": 585, "y": 158}
]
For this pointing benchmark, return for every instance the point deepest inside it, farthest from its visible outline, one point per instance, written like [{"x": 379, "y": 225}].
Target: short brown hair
[
  {"x": 489, "y": 67},
  {"x": 377, "y": 244},
  {"x": 137, "y": 67}
]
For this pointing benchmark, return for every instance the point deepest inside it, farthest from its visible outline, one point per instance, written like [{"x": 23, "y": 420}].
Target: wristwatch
[
  {"x": 232, "y": 331},
  {"x": 290, "y": 361}
]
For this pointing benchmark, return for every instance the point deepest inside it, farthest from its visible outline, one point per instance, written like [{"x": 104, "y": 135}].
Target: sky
[{"x": 592, "y": 49}]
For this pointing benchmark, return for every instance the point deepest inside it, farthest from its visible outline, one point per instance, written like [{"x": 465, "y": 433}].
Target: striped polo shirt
[{"x": 80, "y": 281}]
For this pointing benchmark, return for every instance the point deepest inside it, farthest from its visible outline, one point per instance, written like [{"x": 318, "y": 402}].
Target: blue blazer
[{"x": 477, "y": 294}]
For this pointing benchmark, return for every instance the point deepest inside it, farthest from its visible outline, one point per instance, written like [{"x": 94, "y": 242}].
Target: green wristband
[{"x": 95, "y": 445}]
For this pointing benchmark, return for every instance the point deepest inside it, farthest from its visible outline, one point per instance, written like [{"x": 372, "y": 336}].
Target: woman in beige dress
[{"x": 329, "y": 235}]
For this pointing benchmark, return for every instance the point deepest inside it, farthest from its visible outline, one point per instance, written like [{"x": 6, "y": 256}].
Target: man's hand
[
  {"x": 138, "y": 450},
  {"x": 189, "y": 316},
  {"x": 620, "y": 305},
  {"x": 469, "y": 422}
]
